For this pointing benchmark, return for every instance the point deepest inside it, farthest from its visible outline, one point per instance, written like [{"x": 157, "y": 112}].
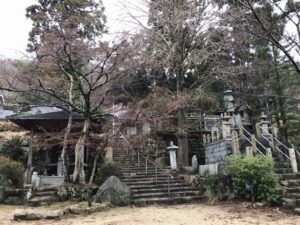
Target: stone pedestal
[
  {"x": 173, "y": 162},
  {"x": 249, "y": 151},
  {"x": 172, "y": 149}
]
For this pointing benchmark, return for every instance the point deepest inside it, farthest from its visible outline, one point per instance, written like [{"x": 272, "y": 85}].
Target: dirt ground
[{"x": 191, "y": 214}]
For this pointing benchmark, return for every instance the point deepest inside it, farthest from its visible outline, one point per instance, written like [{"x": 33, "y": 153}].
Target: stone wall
[
  {"x": 217, "y": 151},
  {"x": 13, "y": 196}
]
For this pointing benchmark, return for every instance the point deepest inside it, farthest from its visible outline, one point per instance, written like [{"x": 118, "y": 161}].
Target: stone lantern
[
  {"x": 264, "y": 124},
  {"x": 229, "y": 101},
  {"x": 172, "y": 149}
]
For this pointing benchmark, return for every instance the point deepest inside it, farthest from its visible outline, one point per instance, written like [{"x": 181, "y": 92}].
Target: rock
[
  {"x": 53, "y": 215},
  {"x": 34, "y": 216},
  {"x": 20, "y": 214},
  {"x": 2, "y": 194},
  {"x": 75, "y": 209},
  {"x": 284, "y": 183},
  {"x": 113, "y": 190},
  {"x": 297, "y": 210},
  {"x": 288, "y": 203},
  {"x": 259, "y": 204}
]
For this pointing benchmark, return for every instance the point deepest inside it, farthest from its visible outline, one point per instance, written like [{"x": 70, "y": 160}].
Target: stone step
[
  {"x": 148, "y": 179},
  {"x": 167, "y": 200},
  {"x": 293, "y": 195},
  {"x": 292, "y": 189},
  {"x": 132, "y": 175},
  {"x": 149, "y": 171},
  {"x": 289, "y": 176},
  {"x": 45, "y": 193},
  {"x": 149, "y": 182},
  {"x": 162, "y": 189},
  {"x": 42, "y": 200},
  {"x": 165, "y": 194},
  {"x": 145, "y": 187},
  {"x": 42, "y": 189},
  {"x": 138, "y": 167},
  {"x": 141, "y": 174},
  {"x": 290, "y": 183},
  {"x": 283, "y": 170}
]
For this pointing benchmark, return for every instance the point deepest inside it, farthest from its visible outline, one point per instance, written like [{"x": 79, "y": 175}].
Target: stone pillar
[
  {"x": 226, "y": 126},
  {"x": 204, "y": 139},
  {"x": 269, "y": 152},
  {"x": 60, "y": 167},
  {"x": 235, "y": 143},
  {"x": 208, "y": 138},
  {"x": 249, "y": 151},
  {"x": 292, "y": 155},
  {"x": 253, "y": 142},
  {"x": 218, "y": 135},
  {"x": 108, "y": 153},
  {"x": 212, "y": 136}
]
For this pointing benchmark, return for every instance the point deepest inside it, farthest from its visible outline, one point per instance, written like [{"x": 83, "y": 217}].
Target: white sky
[{"x": 14, "y": 26}]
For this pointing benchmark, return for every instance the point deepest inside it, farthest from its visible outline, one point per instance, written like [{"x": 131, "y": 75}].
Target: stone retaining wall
[{"x": 217, "y": 151}]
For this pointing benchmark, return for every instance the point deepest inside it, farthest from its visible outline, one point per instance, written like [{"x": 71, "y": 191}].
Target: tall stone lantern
[
  {"x": 264, "y": 124},
  {"x": 229, "y": 101},
  {"x": 172, "y": 149}
]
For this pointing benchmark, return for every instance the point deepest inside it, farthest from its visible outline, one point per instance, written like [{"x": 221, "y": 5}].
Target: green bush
[
  {"x": 11, "y": 172},
  {"x": 210, "y": 183},
  {"x": 256, "y": 171},
  {"x": 106, "y": 170},
  {"x": 73, "y": 192},
  {"x": 13, "y": 149}
]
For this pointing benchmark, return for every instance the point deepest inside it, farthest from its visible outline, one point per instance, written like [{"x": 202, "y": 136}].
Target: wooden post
[{"x": 29, "y": 157}]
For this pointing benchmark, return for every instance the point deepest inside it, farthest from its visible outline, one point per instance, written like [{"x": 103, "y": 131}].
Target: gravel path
[{"x": 191, "y": 214}]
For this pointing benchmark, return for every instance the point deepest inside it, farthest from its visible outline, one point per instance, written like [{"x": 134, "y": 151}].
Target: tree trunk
[
  {"x": 78, "y": 150},
  {"x": 94, "y": 169},
  {"x": 64, "y": 154},
  {"x": 183, "y": 151}
]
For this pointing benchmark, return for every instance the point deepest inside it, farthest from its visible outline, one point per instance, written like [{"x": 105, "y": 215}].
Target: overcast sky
[{"x": 15, "y": 27}]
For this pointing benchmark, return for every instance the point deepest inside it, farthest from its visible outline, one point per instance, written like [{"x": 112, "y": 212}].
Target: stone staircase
[
  {"x": 43, "y": 196},
  {"x": 289, "y": 181},
  {"x": 153, "y": 186}
]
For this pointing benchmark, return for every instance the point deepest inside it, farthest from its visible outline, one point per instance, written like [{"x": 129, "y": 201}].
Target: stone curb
[{"x": 23, "y": 214}]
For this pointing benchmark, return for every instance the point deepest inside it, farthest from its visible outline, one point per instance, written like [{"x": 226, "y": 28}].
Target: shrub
[
  {"x": 12, "y": 172},
  {"x": 13, "y": 149},
  {"x": 106, "y": 170},
  {"x": 208, "y": 182},
  {"x": 256, "y": 171},
  {"x": 73, "y": 192}
]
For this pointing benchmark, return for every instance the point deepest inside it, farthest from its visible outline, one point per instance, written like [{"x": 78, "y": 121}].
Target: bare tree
[
  {"x": 182, "y": 42},
  {"x": 281, "y": 30}
]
